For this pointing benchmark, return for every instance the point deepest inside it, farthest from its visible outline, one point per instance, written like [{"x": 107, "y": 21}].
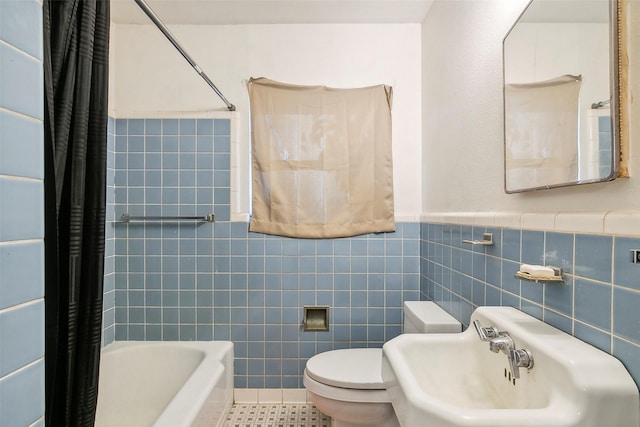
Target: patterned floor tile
[{"x": 276, "y": 415}]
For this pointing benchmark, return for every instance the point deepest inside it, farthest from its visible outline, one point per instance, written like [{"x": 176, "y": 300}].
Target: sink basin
[{"x": 447, "y": 380}]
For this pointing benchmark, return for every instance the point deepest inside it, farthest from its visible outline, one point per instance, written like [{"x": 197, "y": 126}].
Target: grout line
[{"x": 22, "y": 305}]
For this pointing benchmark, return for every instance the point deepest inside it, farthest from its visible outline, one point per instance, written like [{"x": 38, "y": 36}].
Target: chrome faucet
[
  {"x": 485, "y": 334},
  {"x": 500, "y": 341}
]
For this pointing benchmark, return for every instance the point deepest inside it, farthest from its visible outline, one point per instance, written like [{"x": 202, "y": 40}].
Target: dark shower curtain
[{"x": 76, "y": 45}]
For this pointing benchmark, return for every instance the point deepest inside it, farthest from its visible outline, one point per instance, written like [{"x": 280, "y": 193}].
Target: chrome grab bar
[{"x": 126, "y": 218}]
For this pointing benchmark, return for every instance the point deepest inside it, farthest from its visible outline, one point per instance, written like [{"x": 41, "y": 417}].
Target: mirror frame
[{"x": 617, "y": 85}]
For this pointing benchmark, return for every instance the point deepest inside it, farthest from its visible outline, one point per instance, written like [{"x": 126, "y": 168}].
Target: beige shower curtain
[{"x": 321, "y": 160}]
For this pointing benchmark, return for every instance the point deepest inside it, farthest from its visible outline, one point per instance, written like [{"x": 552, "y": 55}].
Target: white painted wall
[
  {"x": 462, "y": 117},
  {"x": 150, "y": 76}
]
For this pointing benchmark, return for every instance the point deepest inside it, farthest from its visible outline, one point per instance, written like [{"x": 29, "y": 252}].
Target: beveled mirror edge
[{"x": 619, "y": 99}]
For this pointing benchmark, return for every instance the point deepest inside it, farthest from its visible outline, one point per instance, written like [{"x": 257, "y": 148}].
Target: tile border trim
[{"x": 619, "y": 223}]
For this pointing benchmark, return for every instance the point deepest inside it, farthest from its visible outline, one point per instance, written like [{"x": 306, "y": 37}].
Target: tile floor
[{"x": 276, "y": 415}]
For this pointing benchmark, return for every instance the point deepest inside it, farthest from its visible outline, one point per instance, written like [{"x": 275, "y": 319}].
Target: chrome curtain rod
[
  {"x": 128, "y": 218},
  {"x": 151, "y": 14}
]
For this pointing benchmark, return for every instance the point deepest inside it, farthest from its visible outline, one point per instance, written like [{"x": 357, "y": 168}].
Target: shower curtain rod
[{"x": 151, "y": 14}]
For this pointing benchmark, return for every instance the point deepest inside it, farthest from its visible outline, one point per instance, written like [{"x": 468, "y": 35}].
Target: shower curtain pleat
[{"x": 76, "y": 44}]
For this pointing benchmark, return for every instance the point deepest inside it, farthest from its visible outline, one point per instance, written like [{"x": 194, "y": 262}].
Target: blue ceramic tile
[
  {"x": 187, "y": 161},
  {"x": 153, "y": 144},
  {"x": 466, "y": 262},
  {"x": 479, "y": 266},
  {"x": 496, "y": 248},
  {"x": 604, "y": 124},
  {"x": 170, "y": 126},
  {"x": 290, "y": 282},
  {"x": 478, "y": 293},
  {"x": 342, "y": 247},
  {"x": 411, "y": 247},
  {"x": 222, "y": 127},
  {"x": 204, "y": 145},
  {"x": 532, "y": 247},
  {"x": 410, "y": 265},
  {"x": 22, "y": 396},
  {"x": 21, "y": 209},
  {"x": 410, "y": 230},
  {"x": 135, "y": 195},
  {"x": 511, "y": 244},
  {"x": 187, "y": 126},
  {"x": 222, "y": 196},
  {"x": 169, "y": 144},
  {"x": 187, "y": 144},
  {"x": 222, "y": 161},
  {"x": 494, "y": 271},
  {"x": 22, "y": 332},
  {"x": 492, "y": 295},
  {"x": 393, "y": 264},
  {"x": 532, "y": 309},
  {"x": 532, "y": 291},
  {"x": 170, "y": 161},
  {"x": 135, "y": 127},
  {"x": 21, "y": 273},
  {"x": 559, "y": 251},
  {"x": 21, "y": 26},
  {"x": 21, "y": 142},
  {"x": 626, "y": 322},
  {"x": 604, "y": 155},
  {"x": 151, "y": 178},
  {"x": 21, "y": 83},
  {"x": 629, "y": 355},
  {"x": 153, "y": 127},
  {"x": 593, "y": 336},
  {"x": 509, "y": 282},
  {"x": 121, "y": 161},
  {"x": 222, "y": 144},
  {"x": 375, "y": 265},
  {"x": 558, "y": 321},
  {"x": 593, "y": 257},
  {"x": 204, "y": 126},
  {"x": 559, "y": 296},
  {"x": 121, "y": 126},
  {"x": 135, "y": 160},
  {"x": 604, "y": 143},
  {"x": 593, "y": 303},
  {"x": 625, "y": 272}
]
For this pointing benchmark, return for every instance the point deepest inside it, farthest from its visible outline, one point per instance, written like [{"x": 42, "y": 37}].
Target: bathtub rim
[{"x": 215, "y": 368}]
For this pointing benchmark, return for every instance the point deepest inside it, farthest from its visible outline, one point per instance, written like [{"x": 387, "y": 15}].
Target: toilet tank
[{"x": 427, "y": 317}]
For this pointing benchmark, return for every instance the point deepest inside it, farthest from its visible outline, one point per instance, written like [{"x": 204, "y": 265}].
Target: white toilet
[{"x": 347, "y": 384}]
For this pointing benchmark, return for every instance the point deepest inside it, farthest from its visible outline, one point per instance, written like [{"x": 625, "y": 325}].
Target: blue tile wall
[
  {"x": 219, "y": 281},
  {"x": 21, "y": 215},
  {"x": 604, "y": 145},
  {"x": 598, "y": 302},
  {"x": 109, "y": 300}
]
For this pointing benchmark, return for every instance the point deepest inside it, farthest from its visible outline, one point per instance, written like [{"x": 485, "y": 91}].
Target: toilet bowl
[{"x": 347, "y": 384}]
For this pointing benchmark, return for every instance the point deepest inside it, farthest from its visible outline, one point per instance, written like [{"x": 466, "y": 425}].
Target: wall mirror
[{"x": 561, "y": 95}]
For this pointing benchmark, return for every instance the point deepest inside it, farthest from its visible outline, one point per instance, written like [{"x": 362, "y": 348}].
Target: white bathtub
[{"x": 165, "y": 384}]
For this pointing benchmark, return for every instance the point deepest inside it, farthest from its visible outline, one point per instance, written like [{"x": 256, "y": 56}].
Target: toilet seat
[
  {"x": 349, "y": 375},
  {"x": 356, "y": 368},
  {"x": 344, "y": 394}
]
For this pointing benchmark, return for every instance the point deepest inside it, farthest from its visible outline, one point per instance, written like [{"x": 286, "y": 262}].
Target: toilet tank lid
[
  {"x": 356, "y": 368},
  {"x": 430, "y": 317}
]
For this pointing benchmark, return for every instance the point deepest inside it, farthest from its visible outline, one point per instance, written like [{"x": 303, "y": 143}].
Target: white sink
[{"x": 447, "y": 380}]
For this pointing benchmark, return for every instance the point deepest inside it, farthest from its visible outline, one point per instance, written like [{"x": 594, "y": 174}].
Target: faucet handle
[
  {"x": 485, "y": 334},
  {"x": 519, "y": 359}
]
